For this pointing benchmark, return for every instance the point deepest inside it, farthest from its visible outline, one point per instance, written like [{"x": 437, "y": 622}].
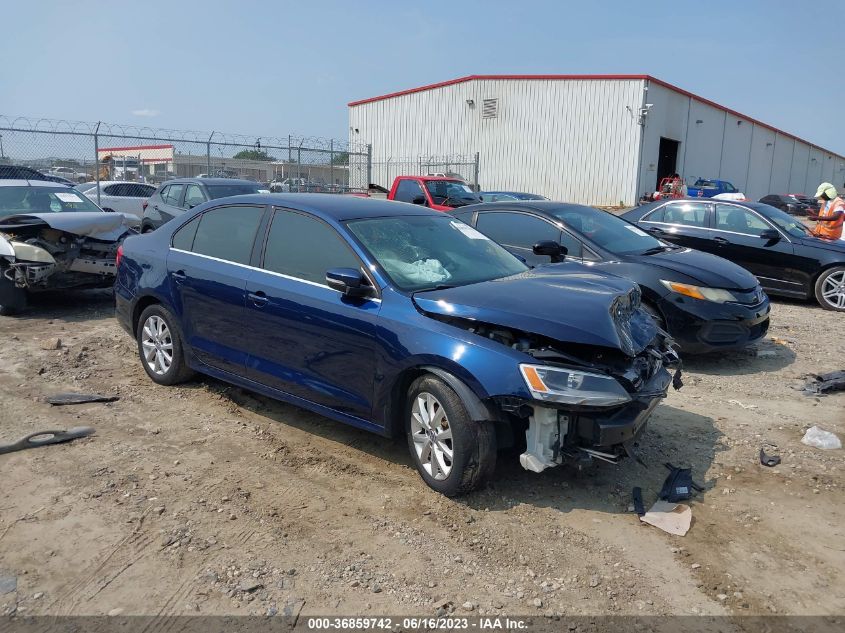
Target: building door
[{"x": 667, "y": 159}]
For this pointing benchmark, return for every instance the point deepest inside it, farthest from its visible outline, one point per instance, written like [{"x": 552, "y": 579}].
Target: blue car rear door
[
  {"x": 303, "y": 337},
  {"x": 207, "y": 267}
]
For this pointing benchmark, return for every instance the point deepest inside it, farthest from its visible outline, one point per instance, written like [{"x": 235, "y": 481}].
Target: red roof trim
[
  {"x": 659, "y": 82},
  {"x": 461, "y": 80},
  {"x": 123, "y": 149}
]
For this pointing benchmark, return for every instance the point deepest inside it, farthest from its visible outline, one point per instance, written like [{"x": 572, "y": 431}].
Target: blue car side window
[
  {"x": 183, "y": 239},
  {"x": 228, "y": 233}
]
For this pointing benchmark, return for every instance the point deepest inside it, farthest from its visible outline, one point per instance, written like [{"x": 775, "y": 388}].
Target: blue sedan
[{"x": 397, "y": 319}]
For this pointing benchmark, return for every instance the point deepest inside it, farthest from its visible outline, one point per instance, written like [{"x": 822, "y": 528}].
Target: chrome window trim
[
  {"x": 752, "y": 212},
  {"x": 268, "y": 272}
]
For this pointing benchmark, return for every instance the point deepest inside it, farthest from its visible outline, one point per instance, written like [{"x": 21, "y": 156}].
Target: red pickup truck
[{"x": 441, "y": 193}]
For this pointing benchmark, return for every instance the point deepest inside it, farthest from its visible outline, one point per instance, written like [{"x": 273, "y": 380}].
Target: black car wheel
[
  {"x": 452, "y": 453},
  {"x": 830, "y": 289},
  {"x": 12, "y": 298},
  {"x": 160, "y": 346}
]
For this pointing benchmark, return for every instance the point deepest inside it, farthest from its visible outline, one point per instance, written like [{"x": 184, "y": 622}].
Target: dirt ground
[{"x": 205, "y": 499}]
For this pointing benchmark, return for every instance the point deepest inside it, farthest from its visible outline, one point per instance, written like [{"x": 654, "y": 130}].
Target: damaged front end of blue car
[{"x": 593, "y": 377}]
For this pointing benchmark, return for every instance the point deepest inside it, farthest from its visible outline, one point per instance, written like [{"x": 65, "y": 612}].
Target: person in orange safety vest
[{"x": 831, "y": 213}]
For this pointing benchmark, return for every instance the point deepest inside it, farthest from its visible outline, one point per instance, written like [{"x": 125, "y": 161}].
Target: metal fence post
[
  {"x": 97, "y": 159},
  {"x": 331, "y": 161},
  {"x": 475, "y": 174},
  {"x": 369, "y": 165},
  {"x": 208, "y": 154}
]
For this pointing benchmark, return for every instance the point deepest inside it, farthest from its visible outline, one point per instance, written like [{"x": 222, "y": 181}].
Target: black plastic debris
[
  {"x": 818, "y": 384},
  {"x": 44, "y": 438},
  {"x": 769, "y": 460},
  {"x": 639, "y": 507},
  {"x": 79, "y": 398},
  {"x": 679, "y": 485}
]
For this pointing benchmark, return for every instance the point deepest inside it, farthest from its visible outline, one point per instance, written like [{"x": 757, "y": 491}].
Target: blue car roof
[{"x": 340, "y": 207}]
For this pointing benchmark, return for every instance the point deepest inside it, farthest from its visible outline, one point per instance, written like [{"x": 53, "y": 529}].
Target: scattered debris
[
  {"x": 79, "y": 398},
  {"x": 740, "y": 404},
  {"x": 817, "y": 438},
  {"x": 679, "y": 485},
  {"x": 674, "y": 518},
  {"x": 769, "y": 460},
  {"x": 44, "y": 438},
  {"x": 8, "y": 583},
  {"x": 637, "y": 494},
  {"x": 818, "y": 384}
]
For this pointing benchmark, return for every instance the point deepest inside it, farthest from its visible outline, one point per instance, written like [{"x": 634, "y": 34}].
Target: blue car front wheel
[{"x": 452, "y": 453}]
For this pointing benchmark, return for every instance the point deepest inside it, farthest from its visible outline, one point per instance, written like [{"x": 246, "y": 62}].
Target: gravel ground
[{"x": 208, "y": 499}]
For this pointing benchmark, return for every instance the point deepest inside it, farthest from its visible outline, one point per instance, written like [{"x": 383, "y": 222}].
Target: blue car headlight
[{"x": 569, "y": 386}]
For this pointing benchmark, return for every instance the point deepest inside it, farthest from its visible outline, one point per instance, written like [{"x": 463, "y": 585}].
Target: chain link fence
[
  {"x": 79, "y": 152},
  {"x": 465, "y": 167}
]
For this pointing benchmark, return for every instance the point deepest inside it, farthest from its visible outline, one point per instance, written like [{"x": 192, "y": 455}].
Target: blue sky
[{"x": 278, "y": 68}]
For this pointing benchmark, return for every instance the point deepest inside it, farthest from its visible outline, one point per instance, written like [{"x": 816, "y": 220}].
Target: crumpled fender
[{"x": 29, "y": 253}]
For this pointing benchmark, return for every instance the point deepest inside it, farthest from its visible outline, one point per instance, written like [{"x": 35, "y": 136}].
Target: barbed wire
[{"x": 87, "y": 128}]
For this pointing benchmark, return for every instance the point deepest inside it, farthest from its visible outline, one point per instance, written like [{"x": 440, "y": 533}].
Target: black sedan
[
  {"x": 793, "y": 204},
  {"x": 773, "y": 245},
  {"x": 704, "y": 302}
]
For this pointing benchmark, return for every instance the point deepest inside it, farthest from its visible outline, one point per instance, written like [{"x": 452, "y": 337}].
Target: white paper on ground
[{"x": 674, "y": 518}]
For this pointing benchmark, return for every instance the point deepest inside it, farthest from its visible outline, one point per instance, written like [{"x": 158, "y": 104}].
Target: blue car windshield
[
  {"x": 423, "y": 252},
  {"x": 606, "y": 230}
]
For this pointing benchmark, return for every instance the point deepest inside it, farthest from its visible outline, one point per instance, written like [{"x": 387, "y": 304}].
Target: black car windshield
[
  {"x": 15, "y": 200},
  {"x": 782, "y": 220},
  {"x": 451, "y": 193},
  {"x": 423, "y": 252},
  {"x": 224, "y": 191},
  {"x": 606, "y": 230}
]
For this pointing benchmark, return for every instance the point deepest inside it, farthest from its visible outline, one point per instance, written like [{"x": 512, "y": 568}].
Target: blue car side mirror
[{"x": 348, "y": 281}]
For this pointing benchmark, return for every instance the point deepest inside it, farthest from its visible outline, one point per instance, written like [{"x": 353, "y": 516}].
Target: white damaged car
[{"x": 53, "y": 237}]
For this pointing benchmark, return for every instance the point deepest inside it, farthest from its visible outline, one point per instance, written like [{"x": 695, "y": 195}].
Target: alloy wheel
[
  {"x": 833, "y": 290},
  {"x": 157, "y": 345},
  {"x": 432, "y": 435}
]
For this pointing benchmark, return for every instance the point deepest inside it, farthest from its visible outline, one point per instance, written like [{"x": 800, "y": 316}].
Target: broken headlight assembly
[
  {"x": 573, "y": 387},
  {"x": 716, "y": 295}
]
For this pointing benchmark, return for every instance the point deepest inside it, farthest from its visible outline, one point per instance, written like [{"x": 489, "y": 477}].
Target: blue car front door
[{"x": 305, "y": 338}]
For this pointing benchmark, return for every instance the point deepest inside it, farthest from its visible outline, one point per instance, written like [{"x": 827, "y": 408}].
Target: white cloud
[{"x": 145, "y": 112}]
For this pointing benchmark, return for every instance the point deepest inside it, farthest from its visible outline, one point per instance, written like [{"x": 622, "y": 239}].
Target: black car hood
[
  {"x": 566, "y": 303},
  {"x": 708, "y": 270}
]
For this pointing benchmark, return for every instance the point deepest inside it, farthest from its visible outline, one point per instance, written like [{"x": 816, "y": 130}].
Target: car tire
[
  {"x": 158, "y": 333},
  {"x": 12, "y": 299},
  {"x": 830, "y": 289},
  {"x": 472, "y": 444}
]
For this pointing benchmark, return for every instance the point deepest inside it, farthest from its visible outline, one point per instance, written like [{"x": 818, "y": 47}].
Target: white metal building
[{"x": 595, "y": 139}]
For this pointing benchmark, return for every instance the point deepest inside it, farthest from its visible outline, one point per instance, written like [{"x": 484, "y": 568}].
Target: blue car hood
[
  {"x": 567, "y": 303},
  {"x": 708, "y": 270}
]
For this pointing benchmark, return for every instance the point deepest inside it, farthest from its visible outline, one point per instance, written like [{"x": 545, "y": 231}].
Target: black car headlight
[
  {"x": 569, "y": 386},
  {"x": 716, "y": 295}
]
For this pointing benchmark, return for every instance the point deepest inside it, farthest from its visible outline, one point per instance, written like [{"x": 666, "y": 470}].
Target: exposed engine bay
[
  {"x": 635, "y": 375},
  {"x": 46, "y": 251}
]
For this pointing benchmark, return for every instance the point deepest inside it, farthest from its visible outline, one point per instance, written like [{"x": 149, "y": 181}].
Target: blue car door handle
[
  {"x": 258, "y": 299},
  {"x": 179, "y": 276},
  {"x": 720, "y": 240}
]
